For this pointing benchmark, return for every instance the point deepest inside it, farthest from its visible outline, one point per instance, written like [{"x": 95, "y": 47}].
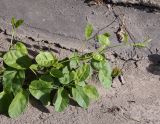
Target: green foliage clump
[{"x": 56, "y": 81}]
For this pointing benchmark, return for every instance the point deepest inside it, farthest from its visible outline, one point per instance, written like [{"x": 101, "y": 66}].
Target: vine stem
[
  {"x": 74, "y": 57},
  {"x": 83, "y": 45},
  {"x": 13, "y": 33},
  {"x": 120, "y": 45},
  {"x": 100, "y": 50}
]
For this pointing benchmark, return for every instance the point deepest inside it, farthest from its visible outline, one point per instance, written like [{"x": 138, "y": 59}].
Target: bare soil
[{"x": 133, "y": 98}]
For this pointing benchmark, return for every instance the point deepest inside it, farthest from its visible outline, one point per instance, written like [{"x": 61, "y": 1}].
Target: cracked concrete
[
  {"x": 63, "y": 22},
  {"x": 150, "y": 3},
  {"x": 58, "y": 25}
]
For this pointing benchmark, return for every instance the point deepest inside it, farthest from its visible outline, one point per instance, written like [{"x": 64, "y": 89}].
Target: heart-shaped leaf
[
  {"x": 88, "y": 31},
  {"x": 91, "y": 91},
  {"x": 74, "y": 61},
  {"x": 47, "y": 78},
  {"x": 67, "y": 76},
  {"x": 95, "y": 64},
  {"x": 80, "y": 97},
  {"x": 41, "y": 90},
  {"x": 19, "y": 23},
  {"x": 19, "y": 104},
  {"x": 83, "y": 72},
  {"x": 103, "y": 40},
  {"x": 98, "y": 57},
  {"x": 62, "y": 100},
  {"x": 17, "y": 57},
  {"x": 13, "y": 80},
  {"x": 56, "y": 73},
  {"x": 105, "y": 74},
  {"x": 45, "y": 59}
]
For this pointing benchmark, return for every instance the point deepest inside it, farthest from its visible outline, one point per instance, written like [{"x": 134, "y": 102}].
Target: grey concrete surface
[{"x": 63, "y": 21}]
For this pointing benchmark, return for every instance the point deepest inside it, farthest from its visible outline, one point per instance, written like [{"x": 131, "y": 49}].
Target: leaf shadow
[
  {"x": 154, "y": 66},
  {"x": 9, "y": 40},
  {"x": 73, "y": 103},
  {"x": 140, "y": 6},
  {"x": 35, "y": 46},
  {"x": 37, "y": 104},
  {"x": 24, "y": 61}
]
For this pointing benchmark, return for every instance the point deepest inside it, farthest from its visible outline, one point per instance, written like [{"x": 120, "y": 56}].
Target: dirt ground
[{"x": 133, "y": 98}]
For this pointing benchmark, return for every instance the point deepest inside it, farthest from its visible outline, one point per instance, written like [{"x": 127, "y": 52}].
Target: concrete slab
[{"x": 63, "y": 21}]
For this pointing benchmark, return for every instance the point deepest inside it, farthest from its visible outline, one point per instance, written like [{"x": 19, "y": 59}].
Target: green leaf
[
  {"x": 16, "y": 23},
  {"x": 41, "y": 90},
  {"x": 50, "y": 79},
  {"x": 105, "y": 74},
  {"x": 8, "y": 78},
  {"x": 74, "y": 60},
  {"x": 67, "y": 76},
  {"x": 83, "y": 72},
  {"x": 62, "y": 100},
  {"x": 19, "y": 23},
  {"x": 47, "y": 78},
  {"x": 105, "y": 77},
  {"x": 19, "y": 104},
  {"x": 13, "y": 22},
  {"x": 34, "y": 68},
  {"x": 88, "y": 31},
  {"x": 56, "y": 73},
  {"x": 13, "y": 80},
  {"x": 58, "y": 65},
  {"x": 20, "y": 47},
  {"x": 91, "y": 91},
  {"x": 103, "y": 40},
  {"x": 98, "y": 57},
  {"x": 82, "y": 83},
  {"x": 96, "y": 64},
  {"x": 79, "y": 96},
  {"x": 17, "y": 57},
  {"x": 100, "y": 65},
  {"x": 73, "y": 64},
  {"x": 45, "y": 59},
  {"x": 107, "y": 34},
  {"x": 5, "y": 101}
]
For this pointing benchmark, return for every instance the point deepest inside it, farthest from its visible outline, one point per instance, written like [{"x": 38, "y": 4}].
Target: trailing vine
[{"x": 55, "y": 80}]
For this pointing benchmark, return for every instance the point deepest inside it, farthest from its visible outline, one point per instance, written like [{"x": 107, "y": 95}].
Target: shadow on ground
[
  {"x": 141, "y": 7},
  {"x": 154, "y": 67}
]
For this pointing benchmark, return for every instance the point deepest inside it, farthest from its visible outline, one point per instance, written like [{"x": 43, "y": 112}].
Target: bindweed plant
[
  {"x": 15, "y": 24},
  {"x": 56, "y": 81}
]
